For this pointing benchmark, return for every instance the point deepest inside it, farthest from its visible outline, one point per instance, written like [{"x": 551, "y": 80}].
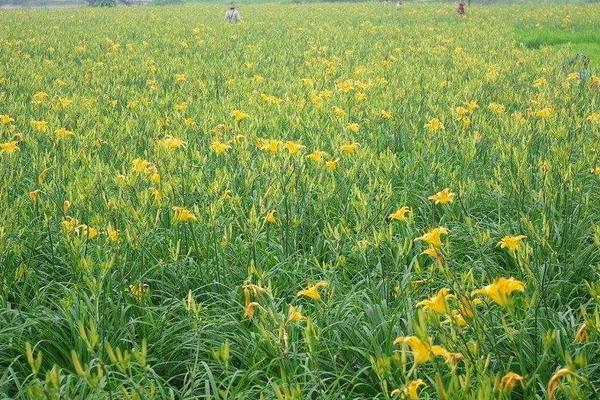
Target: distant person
[
  {"x": 461, "y": 8},
  {"x": 232, "y": 15},
  {"x": 398, "y": 4}
]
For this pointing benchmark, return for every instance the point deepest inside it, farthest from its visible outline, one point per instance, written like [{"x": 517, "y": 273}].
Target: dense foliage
[{"x": 321, "y": 202}]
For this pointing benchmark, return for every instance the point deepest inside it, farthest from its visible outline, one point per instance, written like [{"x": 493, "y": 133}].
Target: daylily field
[{"x": 343, "y": 201}]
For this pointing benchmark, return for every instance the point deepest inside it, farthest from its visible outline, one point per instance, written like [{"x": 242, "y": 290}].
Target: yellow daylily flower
[{"x": 501, "y": 289}]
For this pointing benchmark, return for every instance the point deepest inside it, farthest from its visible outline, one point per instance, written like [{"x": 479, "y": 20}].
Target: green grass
[{"x": 578, "y": 39}]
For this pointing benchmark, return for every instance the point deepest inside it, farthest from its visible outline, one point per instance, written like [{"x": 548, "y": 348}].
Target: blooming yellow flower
[
  {"x": 349, "y": 148},
  {"x": 40, "y": 97},
  {"x": 332, "y": 164},
  {"x": 270, "y": 217},
  {"x": 140, "y": 290},
  {"x": 170, "y": 142},
  {"x": 219, "y": 147},
  {"x": 555, "y": 381},
  {"x": 360, "y": 96},
  {"x": 6, "y": 119},
  {"x": 316, "y": 155},
  {"x": 400, "y": 214},
  {"x": 512, "y": 243},
  {"x": 544, "y": 112},
  {"x": 434, "y": 125},
  {"x": 69, "y": 224},
  {"x": 180, "y": 77},
  {"x": 412, "y": 389},
  {"x": 86, "y": 231},
  {"x": 40, "y": 126},
  {"x": 594, "y": 118},
  {"x": 112, "y": 234},
  {"x": 353, "y": 127},
  {"x": 312, "y": 291},
  {"x": 182, "y": 214},
  {"x": 307, "y": 81},
  {"x": 180, "y": 107},
  {"x": 509, "y": 381},
  {"x": 346, "y": 86},
  {"x": 9, "y": 147},
  {"x": 438, "y": 303},
  {"x": 140, "y": 165},
  {"x": 338, "y": 112},
  {"x": 294, "y": 315},
  {"x": 497, "y": 108},
  {"x": 189, "y": 121},
  {"x": 433, "y": 253},
  {"x": 433, "y": 236},
  {"x": 239, "y": 115},
  {"x": 292, "y": 147},
  {"x": 501, "y": 289},
  {"x": 443, "y": 197},
  {"x": 472, "y": 105},
  {"x": 596, "y": 170},
  {"x": 270, "y": 145},
  {"x": 63, "y": 133},
  {"x": 423, "y": 352},
  {"x": 540, "y": 82},
  {"x": 64, "y": 102},
  {"x": 385, "y": 114}
]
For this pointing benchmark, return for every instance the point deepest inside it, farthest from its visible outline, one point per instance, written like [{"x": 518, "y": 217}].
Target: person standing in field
[
  {"x": 232, "y": 15},
  {"x": 461, "y": 8}
]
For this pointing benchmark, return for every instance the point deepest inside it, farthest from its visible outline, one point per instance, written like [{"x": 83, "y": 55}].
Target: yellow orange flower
[
  {"x": 219, "y": 147},
  {"x": 182, "y": 214},
  {"x": 438, "y": 303},
  {"x": 140, "y": 290},
  {"x": 86, "y": 231},
  {"x": 63, "y": 133},
  {"x": 170, "y": 142},
  {"x": 41, "y": 126},
  {"x": 112, "y": 234},
  {"x": 434, "y": 125},
  {"x": 433, "y": 237},
  {"x": 338, "y": 112},
  {"x": 292, "y": 147},
  {"x": 400, "y": 214},
  {"x": 496, "y": 107},
  {"x": 349, "y": 148},
  {"x": 270, "y": 217},
  {"x": 512, "y": 243},
  {"x": 540, "y": 82},
  {"x": 353, "y": 127},
  {"x": 410, "y": 391},
  {"x": 443, "y": 197},
  {"x": 316, "y": 155},
  {"x": 270, "y": 145},
  {"x": 385, "y": 114},
  {"x": 312, "y": 291},
  {"x": 6, "y": 119},
  {"x": 501, "y": 289},
  {"x": 9, "y": 147},
  {"x": 239, "y": 115},
  {"x": 544, "y": 113},
  {"x": 294, "y": 315},
  {"x": 332, "y": 164}
]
